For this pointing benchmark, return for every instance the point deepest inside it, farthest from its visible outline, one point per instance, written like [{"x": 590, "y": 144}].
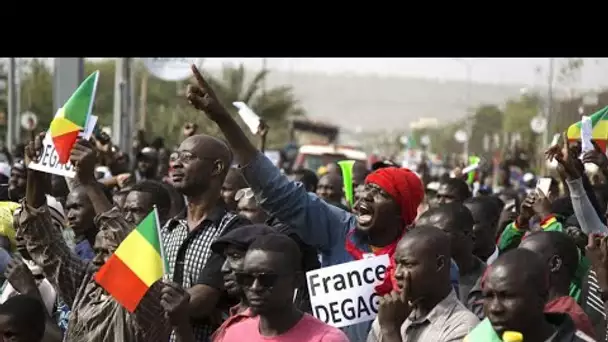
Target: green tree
[
  {"x": 37, "y": 90},
  {"x": 488, "y": 120},
  {"x": 275, "y": 105},
  {"x": 104, "y": 98}
]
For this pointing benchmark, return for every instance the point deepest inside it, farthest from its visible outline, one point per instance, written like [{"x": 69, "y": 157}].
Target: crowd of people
[{"x": 238, "y": 233}]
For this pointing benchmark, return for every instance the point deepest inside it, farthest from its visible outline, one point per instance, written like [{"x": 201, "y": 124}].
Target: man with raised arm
[
  {"x": 387, "y": 207},
  {"x": 95, "y": 315}
]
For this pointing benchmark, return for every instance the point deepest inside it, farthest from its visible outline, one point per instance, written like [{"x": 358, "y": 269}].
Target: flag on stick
[
  {"x": 599, "y": 122},
  {"x": 72, "y": 118},
  {"x": 138, "y": 262}
]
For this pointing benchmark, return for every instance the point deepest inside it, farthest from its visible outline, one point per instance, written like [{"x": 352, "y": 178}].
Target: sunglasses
[
  {"x": 246, "y": 193},
  {"x": 265, "y": 280}
]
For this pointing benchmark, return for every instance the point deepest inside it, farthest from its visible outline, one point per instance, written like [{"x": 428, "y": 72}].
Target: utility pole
[
  {"x": 143, "y": 100},
  {"x": 122, "y": 124},
  {"x": 468, "y": 119},
  {"x": 264, "y": 68},
  {"x": 11, "y": 135},
  {"x": 549, "y": 101}
]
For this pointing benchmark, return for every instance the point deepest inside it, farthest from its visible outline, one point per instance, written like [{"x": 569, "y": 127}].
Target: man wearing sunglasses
[
  {"x": 387, "y": 207},
  {"x": 269, "y": 278}
]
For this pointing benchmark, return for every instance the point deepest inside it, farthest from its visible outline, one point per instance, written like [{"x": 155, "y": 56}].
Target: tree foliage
[{"x": 166, "y": 106}]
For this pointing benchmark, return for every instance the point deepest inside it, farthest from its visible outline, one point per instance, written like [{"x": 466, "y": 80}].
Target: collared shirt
[
  {"x": 449, "y": 321},
  {"x": 187, "y": 253},
  {"x": 467, "y": 282},
  {"x": 95, "y": 315}
]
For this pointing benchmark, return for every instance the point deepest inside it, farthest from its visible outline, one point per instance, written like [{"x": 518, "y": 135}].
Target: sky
[{"x": 520, "y": 71}]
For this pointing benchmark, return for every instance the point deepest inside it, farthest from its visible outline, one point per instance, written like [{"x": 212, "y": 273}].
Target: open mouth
[
  {"x": 365, "y": 214},
  {"x": 256, "y": 301},
  {"x": 177, "y": 177}
]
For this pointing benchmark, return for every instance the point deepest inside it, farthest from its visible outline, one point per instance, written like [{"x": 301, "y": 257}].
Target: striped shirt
[
  {"x": 593, "y": 305},
  {"x": 187, "y": 252},
  {"x": 448, "y": 321}
]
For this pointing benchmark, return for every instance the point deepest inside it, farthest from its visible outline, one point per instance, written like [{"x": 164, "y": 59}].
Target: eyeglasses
[
  {"x": 265, "y": 280},
  {"x": 372, "y": 190},
  {"x": 246, "y": 193},
  {"x": 183, "y": 156}
]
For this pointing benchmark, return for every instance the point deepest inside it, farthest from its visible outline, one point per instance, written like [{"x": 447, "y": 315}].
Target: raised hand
[
  {"x": 566, "y": 156},
  {"x": 394, "y": 308},
  {"x": 542, "y": 205},
  {"x": 84, "y": 158},
  {"x": 202, "y": 97},
  {"x": 189, "y": 129},
  {"x": 174, "y": 299},
  {"x": 596, "y": 156},
  {"x": 20, "y": 277},
  {"x": 526, "y": 211},
  {"x": 33, "y": 149}
]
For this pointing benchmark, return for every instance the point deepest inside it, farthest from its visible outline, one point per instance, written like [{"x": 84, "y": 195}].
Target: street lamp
[{"x": 468, "y": 120}]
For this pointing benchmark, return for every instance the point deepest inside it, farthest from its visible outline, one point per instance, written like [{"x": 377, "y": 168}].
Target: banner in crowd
[
  {"x": 344, "y": 294},
  {"x": 49, "y": 160}
]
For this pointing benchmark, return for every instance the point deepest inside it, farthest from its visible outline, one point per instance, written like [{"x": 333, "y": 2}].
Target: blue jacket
[{"x": 319, "y": 224}]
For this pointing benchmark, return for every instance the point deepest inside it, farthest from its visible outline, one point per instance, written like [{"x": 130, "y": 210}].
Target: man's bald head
[
  {"x": 424, "y": 253},
  {"x": 515, "y": 291},
  {"x": 523, "y": 267},
  {"x": 207, "y": 146},
  {"x": 200, "y": 164},
  {"x": 429, "y": 238},
  {"x": 557, "y": 249}
]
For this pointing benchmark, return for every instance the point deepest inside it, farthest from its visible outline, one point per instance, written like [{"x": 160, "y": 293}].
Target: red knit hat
[{"x": 404, "y": 186}]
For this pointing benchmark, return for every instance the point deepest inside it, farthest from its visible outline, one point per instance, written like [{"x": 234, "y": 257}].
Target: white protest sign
[
  {"x": 49, "y": 160},
  {"x": 343, "y": 295},
  {"x": 252, "y": 120},
  {"x": 586, "y": 134}
]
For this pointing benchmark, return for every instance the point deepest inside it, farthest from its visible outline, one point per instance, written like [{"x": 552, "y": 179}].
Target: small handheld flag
[
  {"x": 599, "y": 122},
  {"x": 72, "y": 118},
  {"x": 483, "y": 332},
  {"x": 138, "y": 262}
]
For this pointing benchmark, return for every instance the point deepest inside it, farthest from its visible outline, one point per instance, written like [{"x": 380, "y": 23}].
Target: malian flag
[
  {"x": 137, "y": 263},
  {"x": 599, "y": 122},
  {"x": 72, "y": 118}
]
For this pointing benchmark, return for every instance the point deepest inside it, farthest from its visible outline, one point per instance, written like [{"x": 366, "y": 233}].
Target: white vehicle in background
[{"x": 314, "y": 156}]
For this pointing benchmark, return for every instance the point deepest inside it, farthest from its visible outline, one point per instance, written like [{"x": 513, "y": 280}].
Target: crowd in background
[{"x": 493, "y": 255}]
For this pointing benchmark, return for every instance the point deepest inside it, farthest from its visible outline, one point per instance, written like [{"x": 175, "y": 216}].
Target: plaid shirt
[
  {"x": 95, "y": 316},
  {"x": 187, "y": 253}
]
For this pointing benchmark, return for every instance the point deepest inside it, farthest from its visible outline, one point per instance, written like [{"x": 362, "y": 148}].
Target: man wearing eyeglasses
[
  {"x": 198, "y": 169},
  {"x": 268, "y": 278}
]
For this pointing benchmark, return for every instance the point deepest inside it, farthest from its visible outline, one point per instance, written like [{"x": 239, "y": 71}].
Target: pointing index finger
[{"x": 199, "y": 78}]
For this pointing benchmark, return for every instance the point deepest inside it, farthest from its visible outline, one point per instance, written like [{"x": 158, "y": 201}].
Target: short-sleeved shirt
[
  {"x": 190, "y": 258},
  {"x": 308, "y": 329}
]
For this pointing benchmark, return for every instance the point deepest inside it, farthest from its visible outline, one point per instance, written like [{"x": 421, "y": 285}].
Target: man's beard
[{"x": 362, "y": 236}]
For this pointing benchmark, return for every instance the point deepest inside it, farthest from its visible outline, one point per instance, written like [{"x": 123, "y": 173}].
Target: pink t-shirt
[{"x": 308, "y": 329}]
